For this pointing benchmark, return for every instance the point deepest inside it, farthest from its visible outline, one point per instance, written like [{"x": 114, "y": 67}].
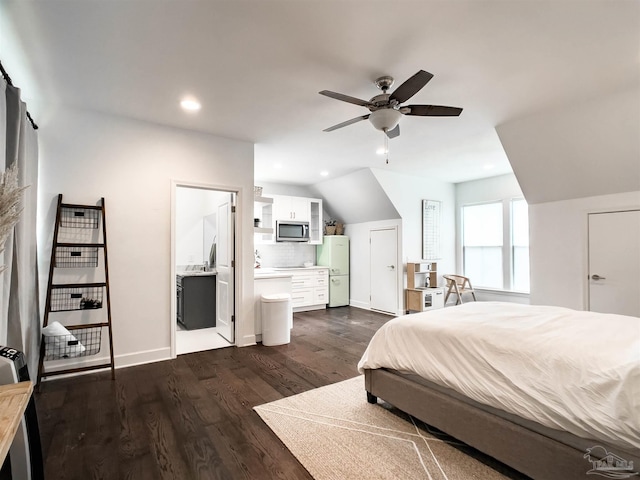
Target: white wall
[
  {"x": 406, "y": 193},
  {"x": 559, "y": 250},
  {"x": 487, "y": 190},
  {"x": 132, "y": 164},
  {"x": 359, "y": 262},
  {"x": 192, "y": 205},
  {"x": 269, "y": 189},
  {"x": 355, "y": 198},
  {"x": 573, "y": 151},
  {"x": 286, "y": 254}
]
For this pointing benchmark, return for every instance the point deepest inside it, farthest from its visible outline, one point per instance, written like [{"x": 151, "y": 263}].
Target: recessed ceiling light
[
  {"x": 381, "y": 151},
  {"x": 489, "y": 166},
  {"x": 324, "y": 173},
  {"x": 190, "y": 104}
]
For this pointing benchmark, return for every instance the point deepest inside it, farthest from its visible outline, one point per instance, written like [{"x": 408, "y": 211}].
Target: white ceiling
[{"x": 257, "y": 68}]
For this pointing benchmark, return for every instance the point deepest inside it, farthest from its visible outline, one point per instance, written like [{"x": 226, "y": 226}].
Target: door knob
[
  {"x": 391, "y": 266},
  {"x": 597, "y": 277}
]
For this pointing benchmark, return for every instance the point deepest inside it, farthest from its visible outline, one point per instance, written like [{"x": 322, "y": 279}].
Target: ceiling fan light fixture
[{"x": 385, "y": 119}]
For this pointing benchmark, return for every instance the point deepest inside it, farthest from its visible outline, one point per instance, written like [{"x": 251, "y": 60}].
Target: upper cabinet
[
  {"x": 315, "y": 221},
  {"x": 295, "y": 209},
  {"x": 291, "y": 208}
]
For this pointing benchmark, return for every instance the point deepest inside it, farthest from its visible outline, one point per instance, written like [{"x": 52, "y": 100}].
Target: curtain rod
[{"x": 6, "y": 76}]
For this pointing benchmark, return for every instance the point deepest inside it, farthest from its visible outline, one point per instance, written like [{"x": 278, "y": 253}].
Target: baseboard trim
[
  {"x": 357, "y": 304},
  {"x": 122, "y": 361},
  {"x": 365, "y": 306},
  {"x": 248, "y": 340},
  {"x": 140, "y": 358},
  {"x": 309, "y": 308}
]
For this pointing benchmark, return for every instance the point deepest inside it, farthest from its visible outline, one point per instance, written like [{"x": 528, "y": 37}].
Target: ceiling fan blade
[
  {"x": 344, "y": 124},
  {"x": 411, "y": 86},
  {"x": 432, "y": 111},
  {"x": 394, "y": 132},
  {"x": 344, "y": 98}
]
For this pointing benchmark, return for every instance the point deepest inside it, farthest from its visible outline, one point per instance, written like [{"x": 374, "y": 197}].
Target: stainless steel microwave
[{"x": 287, "y": 231}]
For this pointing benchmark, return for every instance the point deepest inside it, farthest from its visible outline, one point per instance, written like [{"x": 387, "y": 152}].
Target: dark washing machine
[{"x": 24, "y": 460}]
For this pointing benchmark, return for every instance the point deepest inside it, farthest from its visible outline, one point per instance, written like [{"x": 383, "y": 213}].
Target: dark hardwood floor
[{"x": 192, "y": 417}]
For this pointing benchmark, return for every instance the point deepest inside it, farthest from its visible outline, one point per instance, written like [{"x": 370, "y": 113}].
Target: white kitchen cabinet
[
  {"x": 316, "y": 226},
  {"x": 291, "y": 208},
  {"x": 309, "y": 288}
]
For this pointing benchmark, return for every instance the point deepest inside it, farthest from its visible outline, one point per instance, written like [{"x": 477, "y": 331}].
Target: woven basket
[
  {"x": 339, "y": 228},
  {"x": 330, "y": 230}
]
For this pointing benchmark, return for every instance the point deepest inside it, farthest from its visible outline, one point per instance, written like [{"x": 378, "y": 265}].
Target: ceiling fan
[{"x": 386, "y": 109}]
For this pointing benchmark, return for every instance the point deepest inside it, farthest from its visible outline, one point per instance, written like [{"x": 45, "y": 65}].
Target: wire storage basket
[
  {"x": 79, "y": 217},
  {"x": 81, "y": 341},
  {"x": 65, "y": 299},
  {"x": 76, "y": 257}
]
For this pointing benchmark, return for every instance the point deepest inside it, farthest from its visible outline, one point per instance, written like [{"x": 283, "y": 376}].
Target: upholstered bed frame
[{"x": 530, "y": 448}]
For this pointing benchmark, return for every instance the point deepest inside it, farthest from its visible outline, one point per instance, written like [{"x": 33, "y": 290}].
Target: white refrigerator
[{"x": 334, "y": 253}]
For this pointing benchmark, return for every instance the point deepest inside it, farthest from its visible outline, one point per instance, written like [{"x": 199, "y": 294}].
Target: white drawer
[
  {"x": 302, "y": 281},
  {"x": 302, "y": 297},
  {"x": 321, "y": 281},
  {"x": 320, "y": 296}
]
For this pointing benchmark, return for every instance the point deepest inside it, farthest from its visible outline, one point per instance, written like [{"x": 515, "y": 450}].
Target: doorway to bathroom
[{"x": 203, "y": 259}]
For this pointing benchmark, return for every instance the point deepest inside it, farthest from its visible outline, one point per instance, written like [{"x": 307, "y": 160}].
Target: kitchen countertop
[
  {"x": 196, "y": 273},
  {"x": 279, "y": 269},
  {"x": 262, "y": 273},
  {"x": 279, "y": 272}
]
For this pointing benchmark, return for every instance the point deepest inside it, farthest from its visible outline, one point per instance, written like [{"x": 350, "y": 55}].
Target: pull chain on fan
[{"x": 386, "y": 147}]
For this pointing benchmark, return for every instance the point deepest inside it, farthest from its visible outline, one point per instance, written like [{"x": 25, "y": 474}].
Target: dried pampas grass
[{"x": 10, "y": 204}]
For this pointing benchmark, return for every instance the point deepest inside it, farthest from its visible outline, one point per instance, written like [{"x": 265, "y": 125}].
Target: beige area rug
[{"x": 336, "y": 434}]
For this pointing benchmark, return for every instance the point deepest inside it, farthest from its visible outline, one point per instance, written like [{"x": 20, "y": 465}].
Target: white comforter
[{"x": 566, "y": 369}]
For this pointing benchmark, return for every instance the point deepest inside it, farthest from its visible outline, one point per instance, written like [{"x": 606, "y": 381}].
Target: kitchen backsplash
[{"x": 286, "y": 254}]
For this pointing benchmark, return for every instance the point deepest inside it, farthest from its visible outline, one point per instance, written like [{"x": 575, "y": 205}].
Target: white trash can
[{"x": 277, "y": 318}]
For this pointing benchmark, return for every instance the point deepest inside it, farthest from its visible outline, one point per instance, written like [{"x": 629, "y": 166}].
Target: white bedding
[{"x": 565, "y": 369}]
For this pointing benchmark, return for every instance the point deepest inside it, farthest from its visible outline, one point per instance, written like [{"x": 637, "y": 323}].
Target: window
[
  {"x": 519, "y": 245},
  {"x": 495, "y": 245},
  {"x": 482, "y": 244}
]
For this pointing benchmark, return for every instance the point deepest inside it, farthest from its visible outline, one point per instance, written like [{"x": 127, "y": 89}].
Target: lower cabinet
[
  {"x": 309, "y": 289},
  {"x": 196, "y": 297}
]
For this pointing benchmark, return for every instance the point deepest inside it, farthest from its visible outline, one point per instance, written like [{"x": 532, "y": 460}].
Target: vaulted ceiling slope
[
  {"x": 257, "y": 68},
  {"x": 356, "y": 197},
  {"x": 590, "y": 149}
]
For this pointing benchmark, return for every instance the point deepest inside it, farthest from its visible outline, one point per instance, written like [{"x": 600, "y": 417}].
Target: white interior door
[
  {"x": 225, "y": 324},
  {"x": 383, "y": 263},
  {"x": 614, "y": 262}
]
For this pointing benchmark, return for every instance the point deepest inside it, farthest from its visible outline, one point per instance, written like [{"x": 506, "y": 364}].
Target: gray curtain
[
  {"x": 21, "y": 278},
  {"x": 4, "y": 293}
]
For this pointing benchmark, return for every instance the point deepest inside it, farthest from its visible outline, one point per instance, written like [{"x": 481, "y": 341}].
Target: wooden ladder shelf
[{"x": 76, "y": 259}]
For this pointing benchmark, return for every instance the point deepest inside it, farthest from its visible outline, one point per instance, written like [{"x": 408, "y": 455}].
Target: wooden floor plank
[{"x": 193, "y": 417}]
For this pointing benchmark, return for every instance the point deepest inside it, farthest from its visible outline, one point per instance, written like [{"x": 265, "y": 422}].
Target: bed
[{"x": 552, "y": 392}]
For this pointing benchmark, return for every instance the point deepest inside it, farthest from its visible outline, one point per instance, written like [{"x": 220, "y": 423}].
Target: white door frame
[
  {"x": 587, "y": 252},
  {"x": 585, "y": 244},
  {"x": 399, "y": 269},
  {"x": 237, "y": 248}
]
